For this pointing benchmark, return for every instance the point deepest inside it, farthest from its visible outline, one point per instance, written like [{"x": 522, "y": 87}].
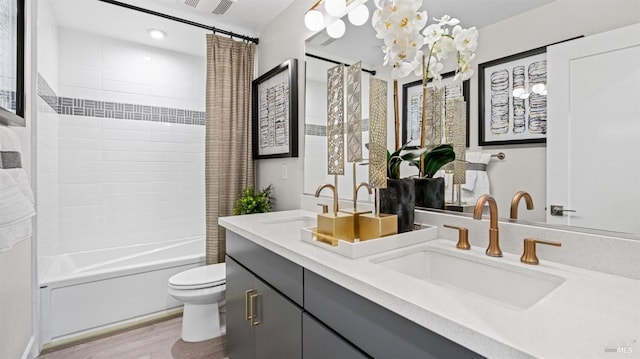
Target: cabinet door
[
  {"x": 240, "y": 335},
  {"x": 279, "y": 334},
  {"x": 319, "y": 342}
]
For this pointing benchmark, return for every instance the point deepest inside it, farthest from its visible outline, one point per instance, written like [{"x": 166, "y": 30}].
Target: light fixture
[
  {"x": 335, "y": 8},
  {"x": 519, "y": 92},
  {"x": 157, "y": 34},
  {"x": 540, "y": 89},
  {"x": 336, "y": 29},
  {"x": 359, "y": 15},
  {"x": 314, "y": 20}
]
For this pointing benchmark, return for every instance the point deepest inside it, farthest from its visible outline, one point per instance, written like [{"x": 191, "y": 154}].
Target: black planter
[
  {"x": 399, "y": 198},
  {"x": 429, "y": 192}
]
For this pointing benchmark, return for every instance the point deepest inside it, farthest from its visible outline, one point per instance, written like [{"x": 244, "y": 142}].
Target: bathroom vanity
[{"x": 289, "y": 299}]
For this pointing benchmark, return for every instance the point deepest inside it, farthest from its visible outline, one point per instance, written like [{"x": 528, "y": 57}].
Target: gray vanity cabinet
[
  {"x": 276, "y": 309},
  {"x": 261, "y": 323}
]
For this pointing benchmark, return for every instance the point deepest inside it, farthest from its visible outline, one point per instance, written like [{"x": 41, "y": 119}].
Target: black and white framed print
[{"x": 275, "y": 112}]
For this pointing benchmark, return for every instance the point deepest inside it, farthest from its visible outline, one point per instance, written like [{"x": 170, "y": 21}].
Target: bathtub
[{"x": 91, "y": 291}]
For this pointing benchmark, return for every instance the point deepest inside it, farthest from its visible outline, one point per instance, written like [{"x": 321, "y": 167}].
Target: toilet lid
[{"x": 201, "y": 277}]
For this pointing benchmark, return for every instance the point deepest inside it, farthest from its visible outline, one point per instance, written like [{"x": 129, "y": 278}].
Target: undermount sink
[
  {"x": 297, "y": 221},
  {"x": 514, "y": 286}
]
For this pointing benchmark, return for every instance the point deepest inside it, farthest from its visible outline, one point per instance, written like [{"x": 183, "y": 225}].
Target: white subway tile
[
  {"x": 80, "y": 178},
  {"x": 75, "y": 155},
  {"x": 79, "y": 166},
  {"x": 80, "y": 144},
  {"x": 79, "y": 189},
  {"x": 79, "y": 212},
  {"x": 117, "y": 134},
  {"x": 177, "y": 137},
  {"x": 127, "y": 156},
  {"x": 80, "y": 92},
  {"x": 80, "y": 132},
  {"x": 127, "y": 125},
  {"x": 79, "y": 200}
]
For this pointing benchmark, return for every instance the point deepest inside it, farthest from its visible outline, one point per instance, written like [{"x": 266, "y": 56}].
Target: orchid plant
[{"x": 401, "y": 25}]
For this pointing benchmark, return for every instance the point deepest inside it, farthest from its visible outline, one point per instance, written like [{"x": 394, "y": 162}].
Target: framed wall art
[
  {"x": 512, "y": 98},
  {"x": 412, "y": 106},
  {"x": 275, "y": 112}
]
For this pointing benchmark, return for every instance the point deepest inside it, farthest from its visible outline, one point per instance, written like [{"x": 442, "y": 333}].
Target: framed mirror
[
  {"x": 12, "y": 62},
  {"x": 506, "y": 28}
]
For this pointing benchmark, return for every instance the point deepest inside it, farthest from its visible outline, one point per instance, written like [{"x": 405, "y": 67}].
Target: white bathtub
[{"x": 88, "y": 291}]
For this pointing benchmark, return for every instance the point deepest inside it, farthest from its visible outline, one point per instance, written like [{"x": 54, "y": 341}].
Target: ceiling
[
  {"x": 476, "y": 13},
  {"x": 250, "y": 17},
  {"x": 246, "y": 17}
]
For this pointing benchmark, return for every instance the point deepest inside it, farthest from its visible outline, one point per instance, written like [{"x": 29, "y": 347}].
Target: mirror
[
  {"x": 12, "y": 63},
  {"x": 505, "y": 29}
]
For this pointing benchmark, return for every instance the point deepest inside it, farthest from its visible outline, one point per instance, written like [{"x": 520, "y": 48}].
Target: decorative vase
[
  {"x": 399, "y": 198},
  {"x": 429, "y": 192}
]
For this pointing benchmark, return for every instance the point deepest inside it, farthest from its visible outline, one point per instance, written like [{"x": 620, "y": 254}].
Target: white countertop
[{"x": 588, "y": 313}]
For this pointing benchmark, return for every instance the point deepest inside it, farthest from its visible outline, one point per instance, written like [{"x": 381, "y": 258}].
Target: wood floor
[{"x": 156, "y": 341}]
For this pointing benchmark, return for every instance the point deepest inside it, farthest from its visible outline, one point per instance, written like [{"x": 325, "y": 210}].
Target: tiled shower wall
[
  {"x": 46, "y": 126},
  {"x": 130, "y": 143}
]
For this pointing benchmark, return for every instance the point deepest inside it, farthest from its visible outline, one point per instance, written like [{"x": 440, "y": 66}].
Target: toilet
[{"x": 201, "y": 289}]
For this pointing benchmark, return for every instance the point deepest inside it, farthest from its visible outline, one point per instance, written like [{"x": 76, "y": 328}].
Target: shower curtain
[{"x": 228, "y": 157}]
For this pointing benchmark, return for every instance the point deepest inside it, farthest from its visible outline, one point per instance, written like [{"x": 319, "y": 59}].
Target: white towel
[
  {"x": 16, "y": 197},
  {"x": 476, "y": 182}
]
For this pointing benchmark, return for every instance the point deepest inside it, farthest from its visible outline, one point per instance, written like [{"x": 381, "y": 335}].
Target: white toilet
[{"x": 201, "y": 289}]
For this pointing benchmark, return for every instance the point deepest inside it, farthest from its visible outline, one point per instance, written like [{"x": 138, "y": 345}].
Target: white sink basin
[{"x": 515, "y": 286}]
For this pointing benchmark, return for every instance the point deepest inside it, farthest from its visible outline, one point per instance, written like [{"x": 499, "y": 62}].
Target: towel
[
  {"x": 16, "y": 196},
  {"x": 477, "y": 181}
]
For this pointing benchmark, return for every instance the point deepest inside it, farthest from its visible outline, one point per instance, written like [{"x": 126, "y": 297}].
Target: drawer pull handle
[
  {"x": 247, "y": 304},
  {"x": 254, "y": 309}
]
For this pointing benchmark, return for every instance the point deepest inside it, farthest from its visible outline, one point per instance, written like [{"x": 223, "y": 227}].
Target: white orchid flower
[
  {"x": 465, "y": 39},
  {"x": 401, "y": 70},
  {"x": 447, "y": 20},
  {"x": 432, "y": 33}
]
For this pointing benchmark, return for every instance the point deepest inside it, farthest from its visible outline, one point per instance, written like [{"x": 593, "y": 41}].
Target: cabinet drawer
[
  {"x": 319, "y": 342},
  {"x": 280, "y": 273},
  {"x": 375, "y": 330}
]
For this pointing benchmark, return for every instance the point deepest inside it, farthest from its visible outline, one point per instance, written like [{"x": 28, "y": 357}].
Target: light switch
[{"x": 284, "y": 171}]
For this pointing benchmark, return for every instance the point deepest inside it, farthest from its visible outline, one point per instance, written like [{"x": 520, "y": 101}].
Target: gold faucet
[
  {"x": 516, "y": 200},
  {"x": 335, "y": 195},
  {"x": 493, "y": 249},
  {"x": 355, "y": 193}
]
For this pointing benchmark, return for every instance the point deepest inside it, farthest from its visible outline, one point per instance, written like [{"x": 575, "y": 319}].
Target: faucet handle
[
  {"x": 529, "y": 254},
  {"x": 463, "y": 237},
  {"x": 325, "y": 207}
]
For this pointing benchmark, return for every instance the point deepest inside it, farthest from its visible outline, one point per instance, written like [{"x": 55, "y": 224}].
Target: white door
[{"x": 593, "y": 141}]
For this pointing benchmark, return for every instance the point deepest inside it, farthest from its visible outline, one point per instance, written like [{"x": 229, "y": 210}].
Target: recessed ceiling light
[{"x": 157, "y": 34}]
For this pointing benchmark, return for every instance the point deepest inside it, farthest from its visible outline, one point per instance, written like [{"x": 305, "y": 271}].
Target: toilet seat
[{"x": 198, "y": 278}]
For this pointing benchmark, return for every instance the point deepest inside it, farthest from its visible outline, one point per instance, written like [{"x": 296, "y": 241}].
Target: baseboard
[
  {"x": 102, "y": 332},
  {"x": 27, "y": 353}
]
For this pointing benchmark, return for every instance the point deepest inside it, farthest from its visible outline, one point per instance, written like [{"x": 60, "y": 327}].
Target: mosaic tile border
[{"x": 117, "y": 110}]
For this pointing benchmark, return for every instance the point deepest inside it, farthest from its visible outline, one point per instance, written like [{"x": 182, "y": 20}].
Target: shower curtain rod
[
  {"x": 188, "y": 22},
  {"x": 372, "y": 72}
]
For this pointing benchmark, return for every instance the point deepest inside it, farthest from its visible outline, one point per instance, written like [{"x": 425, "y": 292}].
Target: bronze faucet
[
  {"x": 335, "y": 195},
  {"x": 516, "y": 200},
  {"x": 355, "y": 193},
  {"x": 493, "y": 249}
]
